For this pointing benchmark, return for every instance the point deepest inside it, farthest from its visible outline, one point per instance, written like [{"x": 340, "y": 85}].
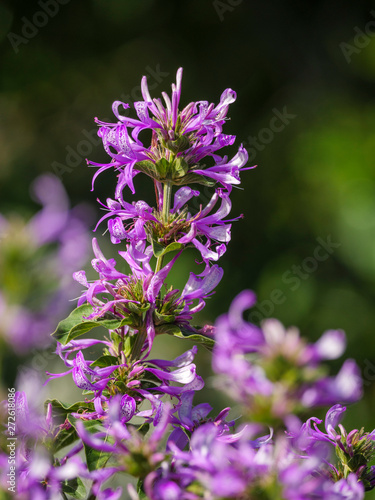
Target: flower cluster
[
  {"x": 137, "y": 415},
  {"x": 180, "y": 141},
  {"x": 136, "y": 305},
  {"x": 273, "y": 372},
  {"x": 39, "y": 474}
]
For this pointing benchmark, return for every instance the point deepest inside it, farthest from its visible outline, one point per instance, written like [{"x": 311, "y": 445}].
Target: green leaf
[
  {"x": 169, "y": 329},
  {"x": 75, "y": 324},
  {"x": 128, "y": 345},
  {"x": 157, "y": 248},
  {"x": 96, "y": 459},
  {"x": 87, "y": 392},
  {"x": 74, "y": 318},
  {"x": 206, "y": 342},
  {"x": 176, "y": 331},
  {"x": 140, "y": 491},
  {"x": 147, "y": 167},
  {"x": 73, "y": 420},
  {"x": 163, "y": 166},
  {"x": 178, "y": 145},
  {"x": 75, "y": 488},
  {"x": 61, "y": 410},
  {"x": 137, "y": 308},
  {"x": 163, "y": 318},
  {"x": 104, "y": 361},
  {"x": 194, "y": 179},
  {"x": 179, "y": 168},
  {"x": 63, "y": 438},
  {"x": 160, "y": 250}
]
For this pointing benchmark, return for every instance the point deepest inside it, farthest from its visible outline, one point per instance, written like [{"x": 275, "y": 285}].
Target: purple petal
[
  {"x": 331, "y": 344},
  {"x": 182, "y": 196},
  {"x": 334, "y": 417}
]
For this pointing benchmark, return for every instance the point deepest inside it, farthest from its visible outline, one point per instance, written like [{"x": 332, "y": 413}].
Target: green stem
[
  {"x": 167, "y": 197},
  {"x": 141, "y": 337},
  {"x": 159, "y": 264}
]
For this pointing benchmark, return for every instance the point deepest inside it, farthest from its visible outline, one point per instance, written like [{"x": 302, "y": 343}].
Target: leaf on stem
[
  {"x": 75, "y": 324},
  {"x": 183, "y": 333},
  {"x": 159, "y": 250}
]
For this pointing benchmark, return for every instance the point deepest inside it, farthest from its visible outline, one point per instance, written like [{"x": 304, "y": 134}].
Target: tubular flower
[
  {"x": 140, "y": 222},
  {"x": 137, "y": 298},
  {"x": 134, "y": 380},
  {"x": 180, "y": 140},
  {"x": 273, "y": 371}
]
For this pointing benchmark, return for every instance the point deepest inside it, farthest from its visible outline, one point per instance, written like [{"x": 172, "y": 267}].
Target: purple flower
[
  {"x": 227, "y": 172},
  {"x": 346, "y": 488},
  {"x": 134, "y": 453},
  {"x": 39, "y": 478},
  {"x": 191, "y": 417},
  {"x": 180, "y": 140},
  {"x": 138, "y": 214},
  {"x": 139, "y": 222},
  {"x": 38, "y": 474},
  {"x": 353, "y": 450},
  {"x": 220, "y": 465},
  {"x": 247, "y": 468},
  {"x": 273, "y": 372},
  {"x": 134, "y": 380},
  {"x": 346, "y": 387},
  {"x": 138, "y": 296}
]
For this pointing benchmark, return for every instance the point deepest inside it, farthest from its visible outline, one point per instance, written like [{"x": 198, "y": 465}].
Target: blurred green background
[{"x": 304, "y": 74}]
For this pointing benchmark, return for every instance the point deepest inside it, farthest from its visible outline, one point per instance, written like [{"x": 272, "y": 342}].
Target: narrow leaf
[
  {"x": 176, "y": 331},
  {"x": 194, "y": 179}
]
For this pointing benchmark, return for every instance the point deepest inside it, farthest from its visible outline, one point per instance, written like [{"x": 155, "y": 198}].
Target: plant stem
[
  {"x": 141, "y": 337},
  {"x": 167, "y": 197},
  {"x": 159, "y": 264}
]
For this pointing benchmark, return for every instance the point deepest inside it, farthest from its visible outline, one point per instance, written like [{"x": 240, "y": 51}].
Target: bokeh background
[{"x": 304, "y": 73}]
